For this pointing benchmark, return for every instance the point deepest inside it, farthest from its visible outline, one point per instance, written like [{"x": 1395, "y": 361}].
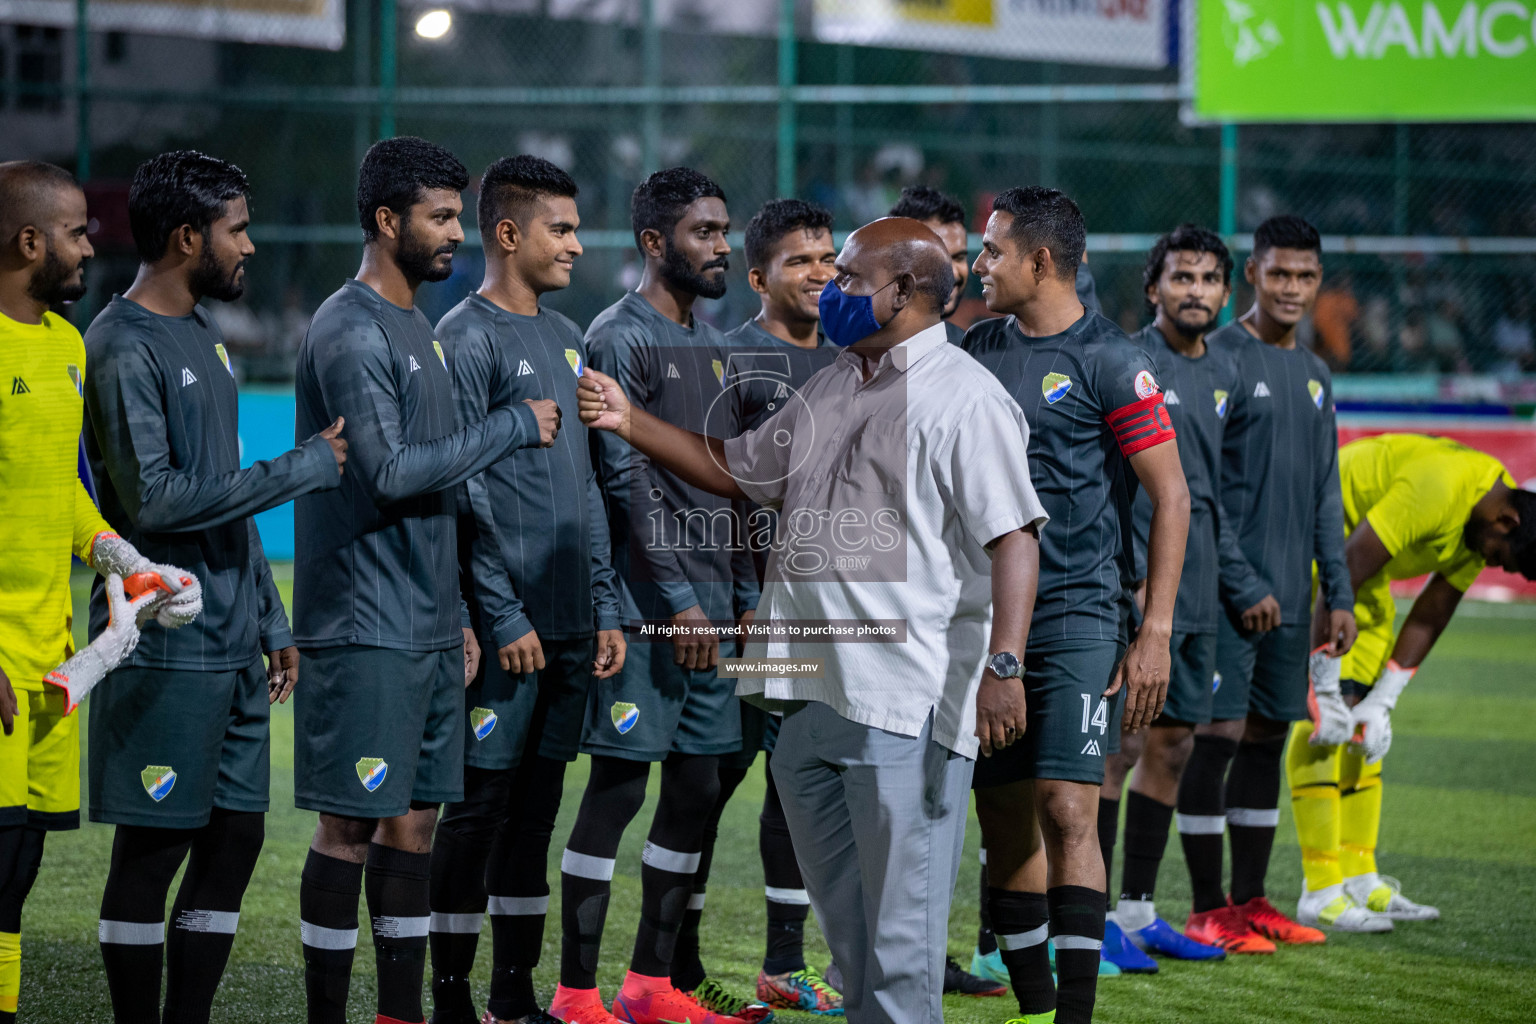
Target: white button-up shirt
[{"x": 889, "y": 491}]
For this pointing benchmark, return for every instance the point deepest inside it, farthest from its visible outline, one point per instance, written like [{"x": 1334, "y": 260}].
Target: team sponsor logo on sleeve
[
  {"x": 371, "y": 772},
  {"x": 624, "y": 716},
  {"x": 483, "y": 720},
  {"x": 1054, "y": 386},
  {"x": 159, "y": 780},
  {"x": 74, "y": 378},
  {"x": 1221, "y": 402},
  {"x": 574, "y": 358},
  {"x": 1315, "y": 389},
  {"x": 223, "y": 354},
  {"x": 1145, "y": 384}
]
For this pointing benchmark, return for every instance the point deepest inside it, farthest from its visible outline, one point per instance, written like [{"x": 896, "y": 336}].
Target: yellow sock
[
  {"x": 10, "y": 971},
  {"x": 1313, "y": 773},
  {"x": 1359, "y": 817}
]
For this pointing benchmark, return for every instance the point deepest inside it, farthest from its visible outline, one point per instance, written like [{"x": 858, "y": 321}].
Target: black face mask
[{"x": 679, "y": 273}]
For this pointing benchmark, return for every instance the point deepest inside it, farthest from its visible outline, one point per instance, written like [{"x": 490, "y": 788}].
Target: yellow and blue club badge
[
  {"x": 159, "y": 780},
  {"x": 371, "y": 772},
  {"x": 1054, "y": 387},
  {"x": 223, "y": 354},
  {"x": 437, "y": 347},
  {"x": 482, "y": 720},
  {"x": 74, "y": 378},
  {"x": 1221, "y": 403},
  {"x": 574, "y": 358},
  {"x": 1315, "y": 389},
  {"x": 624, "y": 716},
  {"x": 719, "y": 368}
]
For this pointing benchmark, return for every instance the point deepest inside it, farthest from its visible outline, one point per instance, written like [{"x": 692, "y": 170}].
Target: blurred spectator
[
  {"x": 1375, "y": 352},
  {"x": 1413, "y": 343},
  {"x": 1512, "y": 338},
  {"x": 1443, "y": 331},
  {"x": 1334, "y": 318}
]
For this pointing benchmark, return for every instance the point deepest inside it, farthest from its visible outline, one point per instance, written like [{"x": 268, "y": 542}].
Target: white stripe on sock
[
  {"x": 457, "y": 924},
  {"x": 518, "y": 906},
  {"x": 220, "y": 922},
  {"x": 584, "y": 865},
  {"x": 1023, "y": 940},
  {"x": 696, "y": 901},
  {"x": 1076, "y": 942},
  {"x": 675, "y": 861},
  {"x": 131, "y": 933},
  {"x": 327, "y": 938},
  {"x": 401, "y": 927},
  {"x": 1253, "y": 817},
  {"x": 1201, "y": 824},
  {"x": 794, "y": 897}
]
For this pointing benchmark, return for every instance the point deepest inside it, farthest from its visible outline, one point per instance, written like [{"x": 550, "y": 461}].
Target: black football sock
[
  {"x": 1021, "y": 922},
  {"x": 207, "y": 910},
  {"x": 1109, "y": 826},
  {"x": 456, "y": 891},
  {"x": 519, "y": 886},
  {"x": 328, "y": 892},
  {"x": 615, "y": 792},
  {"x": 784, "y": 889},
  {"x": 396, "y": 885},
  {"x": 21, "y": 854},
  {"x": 1146, "y": 838},
  {"x": 1202, "y": 818},
  {"x": 690, "y": 785},
  {"x": 1077, "y": 931},
  {"x": 132, "y": 929},
  {"x": 1253, "y": 812},
  {"x": 687, "y": 966},
  {"x": 986, "y": 937}
]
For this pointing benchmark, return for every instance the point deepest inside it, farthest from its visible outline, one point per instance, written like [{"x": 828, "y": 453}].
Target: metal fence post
[
  {"x": 82, "y": 90},
  {"x": 650, "y": 70},
  {"x": 1227, "y": 212},
  {"x": 362, "y": 77},
  {"x": 389, "y": 44},
  {"x": 788, "y": 59}
]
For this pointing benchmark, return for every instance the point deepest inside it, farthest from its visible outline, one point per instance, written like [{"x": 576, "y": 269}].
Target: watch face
[{"x": 1004, "y": 665}]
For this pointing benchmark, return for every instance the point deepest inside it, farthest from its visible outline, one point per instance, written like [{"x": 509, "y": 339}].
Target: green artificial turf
[{"x": 1459, "y": 830}]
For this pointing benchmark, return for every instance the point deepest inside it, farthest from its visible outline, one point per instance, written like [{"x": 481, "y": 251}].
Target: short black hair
[
  {"x": 1286, "y": 231},
  {"x": 27, "y": 190},
  {"x": 511, "y": 186},
  {"x": 395, "y": 172},
  {"x": 923, "y": 203},
  {"x": 660, "y": 200},
  {"x": 777, "y": 218},
  {"x": 1522, "y": 541},
  {"x": 1046, "y": 217},
  {"x": 176, "y": 188},
  {"x": 1185, "y": 238}
]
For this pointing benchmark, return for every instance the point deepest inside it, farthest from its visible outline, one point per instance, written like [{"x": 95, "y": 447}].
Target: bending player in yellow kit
[
  {"x": 46, "y": 515},
  {"x": 1412, "y": 505}
]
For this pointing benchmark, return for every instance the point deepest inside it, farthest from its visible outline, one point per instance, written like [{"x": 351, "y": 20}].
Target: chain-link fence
[{"x": 1430, "y": 229}]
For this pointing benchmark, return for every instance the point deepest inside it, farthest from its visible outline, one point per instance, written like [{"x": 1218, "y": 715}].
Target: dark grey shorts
[
  {"x": 542, "y": 712},
  {"x": 653, "y": 708},
  {"x": 1264, "y": 673}
]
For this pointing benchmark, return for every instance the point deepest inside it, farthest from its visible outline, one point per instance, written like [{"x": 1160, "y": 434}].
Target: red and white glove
[
  {"x": 1373, "y": 715},
  {"x": 90, "y": 665},
  {"x": 1330, "y": 715},
  {"x": 178, "y": 594}
]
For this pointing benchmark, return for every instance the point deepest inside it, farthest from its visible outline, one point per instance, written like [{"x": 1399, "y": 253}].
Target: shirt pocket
[{"x": 876, "y": 459}]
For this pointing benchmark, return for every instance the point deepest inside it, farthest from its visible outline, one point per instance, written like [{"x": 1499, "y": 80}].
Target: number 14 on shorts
[{"x": 1095, "y": 715}]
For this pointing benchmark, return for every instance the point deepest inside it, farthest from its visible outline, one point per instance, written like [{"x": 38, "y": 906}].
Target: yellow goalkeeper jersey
[
  {"x": 1418, "y": 492},
  {"x": 45, "y": 513}
]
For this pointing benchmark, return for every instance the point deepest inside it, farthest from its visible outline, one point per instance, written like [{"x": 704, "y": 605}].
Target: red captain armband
[{"x": 1141, "y": 425}]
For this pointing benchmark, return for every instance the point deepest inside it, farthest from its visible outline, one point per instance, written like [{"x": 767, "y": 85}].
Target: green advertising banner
[{"x": 1362, "y": 60}]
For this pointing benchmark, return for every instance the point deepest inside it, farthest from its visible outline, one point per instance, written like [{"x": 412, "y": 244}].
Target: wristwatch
[{"x": 1005, "y": 665}]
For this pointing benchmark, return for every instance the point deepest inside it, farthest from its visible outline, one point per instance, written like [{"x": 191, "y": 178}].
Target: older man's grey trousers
[{"x": 878, "y": 822}]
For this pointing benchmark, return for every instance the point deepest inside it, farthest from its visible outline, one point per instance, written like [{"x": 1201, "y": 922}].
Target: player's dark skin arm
[
  {"x": 1145, "y": 668},
  {"x": 1001, "y": 712}
]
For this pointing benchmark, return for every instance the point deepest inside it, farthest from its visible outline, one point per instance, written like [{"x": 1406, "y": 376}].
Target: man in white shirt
[{"x": 901, "y": 479}]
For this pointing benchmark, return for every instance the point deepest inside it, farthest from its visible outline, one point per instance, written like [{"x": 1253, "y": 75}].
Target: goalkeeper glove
[
  {"x": 1330, "y": 715},
  {"x": 90, "y": 665},
  {"x": 111, "y": 554},
  {"x": 1372, "y": 716}
]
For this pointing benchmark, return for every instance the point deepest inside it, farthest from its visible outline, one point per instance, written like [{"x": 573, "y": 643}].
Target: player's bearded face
[
  {"x": 57, "y": 280},
  {"x": 219, "y": 276},
  {"x": 953, "y": 237},
  {"x": 1191, "y": 291},
  {"x": 422, "y": 256},
  {"x": 706, "y": 280}
]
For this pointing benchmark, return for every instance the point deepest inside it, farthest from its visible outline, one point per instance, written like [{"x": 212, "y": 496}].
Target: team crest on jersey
[
  {"x": 719, "y": 368},
  {"x": 223, "y": 354},
  {"x": 437, "y": 347},
  {"x": 159, "y": 780},
  {"x": 371, "y": 772},
  {"x": 483, "y": 720},
  {"x": 74, "y": 378},
  {"x": 624, "y": 716},
  {"x": 1315, "y": 389},
  {"x": 1145, "y": 384},
  {"x": 1221, "y": 402},
  {"x": 1054, "y": 387},
  {"x": 574, "y": 358},
  {"x": 1215, "y": 681}
]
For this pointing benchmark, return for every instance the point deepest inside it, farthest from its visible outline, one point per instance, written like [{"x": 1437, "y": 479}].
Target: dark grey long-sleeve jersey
[
  {"x": 376, "y": 560},
  {"x": 164, "y": 449},
  {"x": 672, "y": 543},
  {"x": 548, "y": 565},
  {"x": 1280, "y": 477}
]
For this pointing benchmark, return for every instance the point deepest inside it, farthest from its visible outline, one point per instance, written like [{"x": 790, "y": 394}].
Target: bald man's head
[
  {"x": 887, "y": 249},
  {"x": 42, "y": 230}
]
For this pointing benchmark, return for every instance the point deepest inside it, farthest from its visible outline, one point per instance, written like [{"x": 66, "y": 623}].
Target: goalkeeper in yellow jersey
[
  {"x": 1412, "y": 505},
  {"x": 45, "y": 517}
]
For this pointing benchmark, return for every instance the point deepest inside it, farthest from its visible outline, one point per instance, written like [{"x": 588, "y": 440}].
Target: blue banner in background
[{"x": 266, "y": 431}]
